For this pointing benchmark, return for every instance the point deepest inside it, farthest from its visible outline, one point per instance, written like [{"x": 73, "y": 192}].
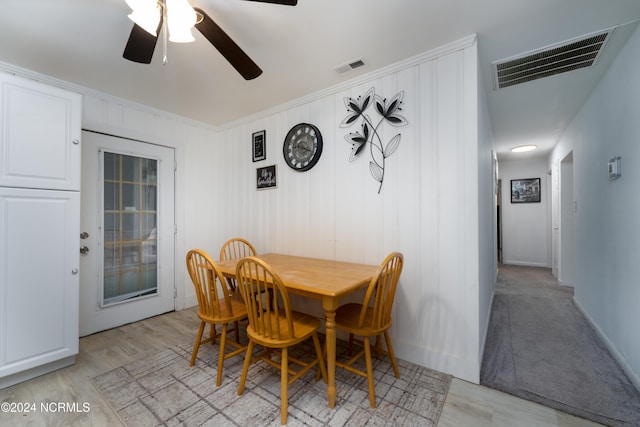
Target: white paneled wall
[{"x": 428, "y": 207}]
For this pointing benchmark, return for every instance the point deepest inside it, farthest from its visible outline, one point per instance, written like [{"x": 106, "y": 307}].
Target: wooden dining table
[{"x": 320, "y": 279}]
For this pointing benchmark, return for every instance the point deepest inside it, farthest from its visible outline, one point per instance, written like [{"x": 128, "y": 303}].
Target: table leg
[{"x": 330, "y": 330}]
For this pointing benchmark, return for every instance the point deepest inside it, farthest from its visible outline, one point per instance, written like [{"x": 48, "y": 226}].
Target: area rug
[
  {"x": 162, "y": 390},
  {"x": 540, "y": 348}
]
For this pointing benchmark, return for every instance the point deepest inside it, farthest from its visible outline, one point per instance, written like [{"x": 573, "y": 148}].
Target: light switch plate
[{"x": 613, "y": 167}]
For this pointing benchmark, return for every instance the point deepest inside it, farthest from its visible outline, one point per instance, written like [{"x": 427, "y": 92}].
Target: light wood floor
[{"x": 466, "y": 405}]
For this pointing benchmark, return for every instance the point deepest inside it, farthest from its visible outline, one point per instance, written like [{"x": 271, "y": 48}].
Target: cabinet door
[
  {"x": 39, "y": 135},
  {"x": 39, "y": 258}
]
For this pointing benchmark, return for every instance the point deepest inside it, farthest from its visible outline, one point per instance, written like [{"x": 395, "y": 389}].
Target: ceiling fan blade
[
  {"x": 284, "y": 2},
  {"x": 227, "y": 47},
  {"x": 141, "y": 45}
]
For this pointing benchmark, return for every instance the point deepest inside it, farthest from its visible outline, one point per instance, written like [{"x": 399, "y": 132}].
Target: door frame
[
  {"x": 567, "y": 205},
  {"x": 177, "y": 291}
]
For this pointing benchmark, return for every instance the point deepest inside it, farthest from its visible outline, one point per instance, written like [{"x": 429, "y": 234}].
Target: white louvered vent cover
[{"x": 556, "y": 59}]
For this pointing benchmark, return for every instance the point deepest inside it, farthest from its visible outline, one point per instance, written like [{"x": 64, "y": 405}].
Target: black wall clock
[{"x": 302, "y": 147}]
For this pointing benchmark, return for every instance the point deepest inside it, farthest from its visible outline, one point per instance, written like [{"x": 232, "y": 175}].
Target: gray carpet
[
  {"x": 161, "y": 390},
  {"x": 540, "y": 348}
]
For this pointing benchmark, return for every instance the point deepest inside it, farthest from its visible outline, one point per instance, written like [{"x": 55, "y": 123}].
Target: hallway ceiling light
[{"x": 523, "y": 148}]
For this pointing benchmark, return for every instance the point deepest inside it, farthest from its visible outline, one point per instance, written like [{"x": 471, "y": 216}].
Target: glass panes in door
[{"x": 129, "y": 227}]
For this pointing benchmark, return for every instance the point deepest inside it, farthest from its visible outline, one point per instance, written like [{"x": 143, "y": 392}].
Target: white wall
[
  {"x": 487, "y": 218},
  {"x": 428, "y": 207},
  {"x": 606, "y": 220},
  {"x": 525, "y": 226}
]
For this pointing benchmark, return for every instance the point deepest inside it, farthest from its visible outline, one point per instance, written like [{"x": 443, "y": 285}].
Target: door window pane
[{"x": 129, "y": 226}]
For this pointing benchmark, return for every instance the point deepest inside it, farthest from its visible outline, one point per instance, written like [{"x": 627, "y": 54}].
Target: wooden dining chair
[
  {"x": 217, "y": 305},
  {"x": 236, "y": 248},
  {"x": 372, "y": 318},
  {"x": 274, "y": 326}
]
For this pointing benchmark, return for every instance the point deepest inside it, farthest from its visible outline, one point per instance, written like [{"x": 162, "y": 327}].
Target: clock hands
[{"x": 304, "y": 147}]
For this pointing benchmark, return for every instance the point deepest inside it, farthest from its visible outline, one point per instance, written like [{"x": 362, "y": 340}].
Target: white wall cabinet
[
  {"x": 39, "y": 228},
  {"x": 40, "y": 135}
]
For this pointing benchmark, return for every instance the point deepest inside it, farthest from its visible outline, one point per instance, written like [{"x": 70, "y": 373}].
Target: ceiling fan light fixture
[
  {"x": 523, "y": 148},
  {"x": 181, "y": 18},
  {"x": 180, "y": 35},
  {"x": 142, "y": 4},
  {"x": 147, "y": 21},
  {"x": 146, "y": 14}
]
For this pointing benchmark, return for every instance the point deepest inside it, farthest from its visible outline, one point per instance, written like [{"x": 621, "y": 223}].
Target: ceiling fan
[{"x": 142, "y": 42}]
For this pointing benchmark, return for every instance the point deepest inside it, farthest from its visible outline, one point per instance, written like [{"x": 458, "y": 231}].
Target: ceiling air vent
[
  {"x": 555, "y": 59},
  {"x": 351, "y": 65}
]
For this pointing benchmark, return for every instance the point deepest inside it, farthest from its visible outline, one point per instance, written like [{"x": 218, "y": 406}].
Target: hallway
[{"x": 540, "y": 348}]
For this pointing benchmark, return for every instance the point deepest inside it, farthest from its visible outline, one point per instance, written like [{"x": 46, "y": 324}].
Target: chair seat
[
  {"x": 348, "y": 318},
  {"x": 303, "y": 325},
  {"x": 238, "y": 311}
]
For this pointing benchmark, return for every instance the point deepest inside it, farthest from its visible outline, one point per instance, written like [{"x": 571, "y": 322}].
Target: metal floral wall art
[{"x": 370, "y": 131}]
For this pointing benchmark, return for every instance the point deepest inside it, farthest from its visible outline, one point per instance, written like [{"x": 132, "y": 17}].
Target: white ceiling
[{"x": 298, "y": 48}]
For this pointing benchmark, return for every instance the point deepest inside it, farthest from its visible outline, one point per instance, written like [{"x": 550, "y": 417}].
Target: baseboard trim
[
  {"x": 526, "y": 264},
  {"x": 37, "y": 371},
  {"x": 633, "y": 376},
  {"x": 459, "y": 367},
  {"x": 486, "y": 327}
]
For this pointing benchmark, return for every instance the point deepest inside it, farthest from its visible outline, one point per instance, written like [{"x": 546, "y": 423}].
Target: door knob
[
  {"x": 84, "y": 235},
  {"x": 84, "y": 250}
]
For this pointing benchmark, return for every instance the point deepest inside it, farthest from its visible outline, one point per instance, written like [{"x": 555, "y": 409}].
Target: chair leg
[
  {"x": 196, "y": 346},
  {"x": 322, "y": 367},
  {"x": 284, "y": 386},
  {"x": 324, "y": 355},
  {"x": 392, "y": 355},
  {"x": 245, "y": 368},
  {"x": 223, "y": 343},
  {"x": 372, "y": 389},
  {"x": 378, "y": 347},
  {"x": 237, "y": 325},
  {"x": 350, "y": 344},
  {"x": 213, "y": 334}
]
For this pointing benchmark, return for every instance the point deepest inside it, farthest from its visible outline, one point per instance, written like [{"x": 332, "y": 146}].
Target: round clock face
[{"x": 302, "y": 147}]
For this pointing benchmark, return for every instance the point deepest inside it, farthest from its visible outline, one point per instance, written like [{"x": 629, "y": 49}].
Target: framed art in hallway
[{"x": 525, "y": 190}]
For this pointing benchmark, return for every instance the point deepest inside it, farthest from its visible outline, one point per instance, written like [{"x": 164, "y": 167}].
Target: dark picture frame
[
  {"x": 259, "y": 145},
  {"x": 525, "y": 190},
  {"x": 266, "y": 177}
]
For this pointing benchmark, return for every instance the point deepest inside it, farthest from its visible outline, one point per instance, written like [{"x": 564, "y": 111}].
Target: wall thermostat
[{"x": 613, "y": 168}]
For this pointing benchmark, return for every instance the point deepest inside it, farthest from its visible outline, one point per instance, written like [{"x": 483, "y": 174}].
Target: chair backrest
[
  {"x": 211, "y": 288},
  {"x": 236, "y": 248},
  {"x": 266, "y": 298},
  {"x": 381, "y": 293}
]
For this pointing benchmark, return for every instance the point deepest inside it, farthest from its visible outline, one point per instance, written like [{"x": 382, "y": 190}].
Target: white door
[{"x": 127, "y": 226}]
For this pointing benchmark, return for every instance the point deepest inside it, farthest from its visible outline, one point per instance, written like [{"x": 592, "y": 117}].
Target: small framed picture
[
  {"x": 259, "y": 146},
  {"x": 525, "y": 190},
  {"x": 266, "y": 177}
]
